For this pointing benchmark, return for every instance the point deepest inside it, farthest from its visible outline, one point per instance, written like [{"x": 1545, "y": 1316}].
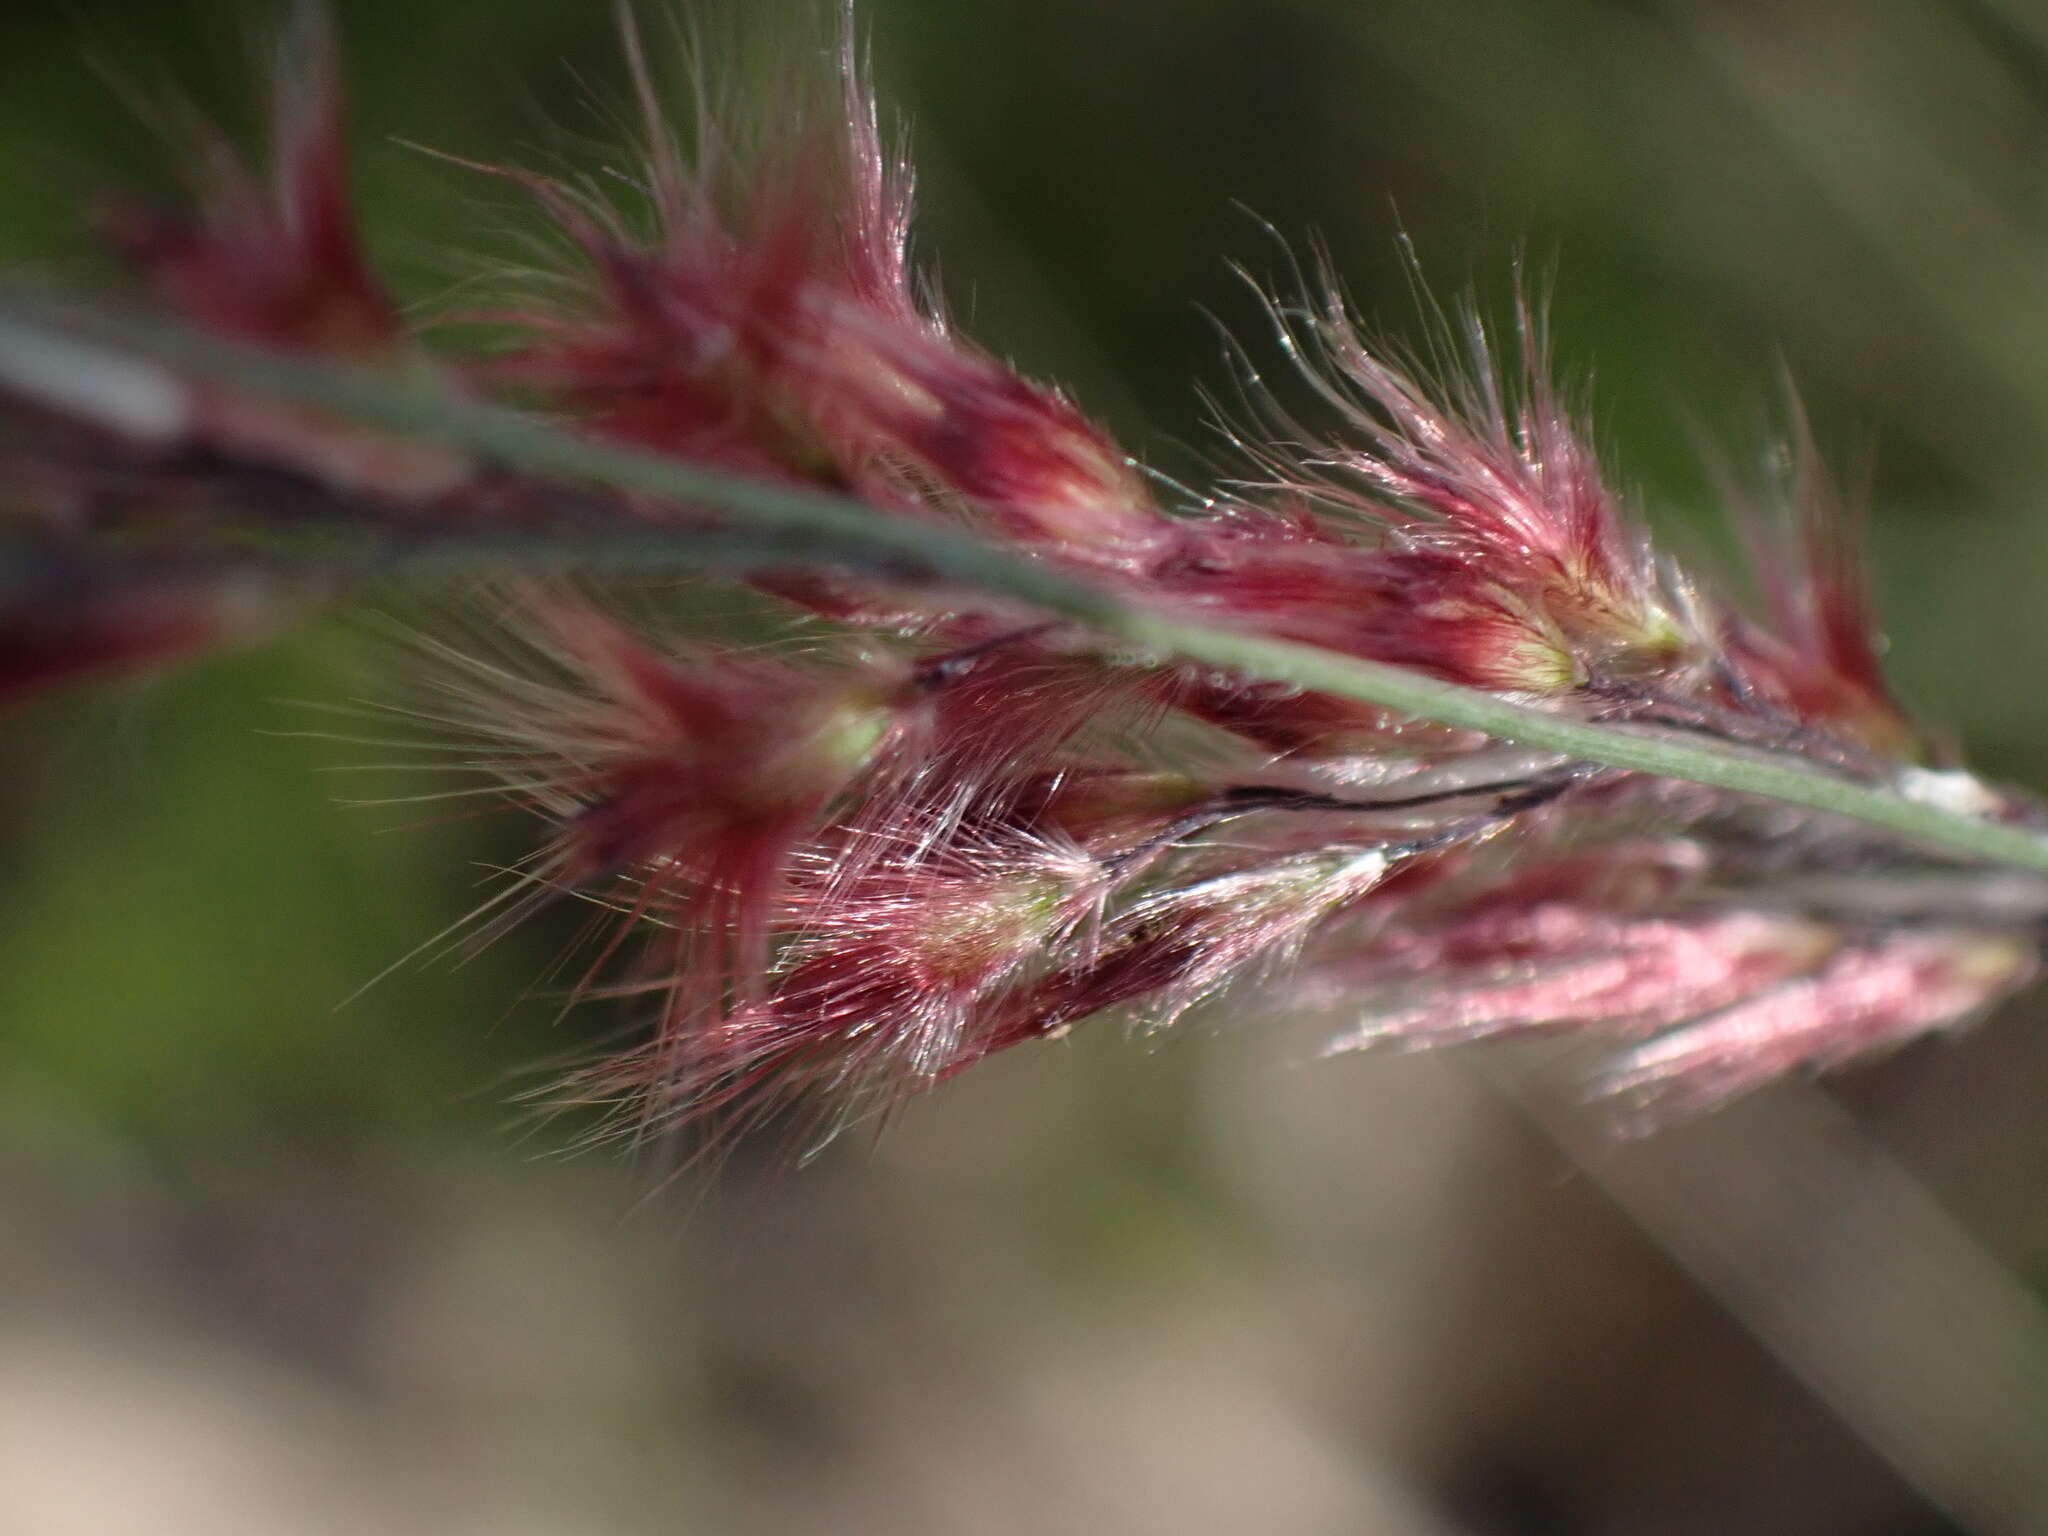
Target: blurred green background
[{"x": 271, "y": 1264}]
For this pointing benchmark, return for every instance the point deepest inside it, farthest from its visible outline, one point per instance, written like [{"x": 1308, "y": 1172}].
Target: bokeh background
[{"x": 272, "y": 1264}]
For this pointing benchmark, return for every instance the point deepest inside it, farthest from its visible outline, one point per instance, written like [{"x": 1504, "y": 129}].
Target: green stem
[{"x": 789, "y": 525}]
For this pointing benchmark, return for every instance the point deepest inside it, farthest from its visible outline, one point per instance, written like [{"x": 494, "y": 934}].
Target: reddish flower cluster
[{"x": 846, "y": 876}]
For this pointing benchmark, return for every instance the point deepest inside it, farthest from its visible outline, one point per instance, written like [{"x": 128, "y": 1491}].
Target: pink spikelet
[
  {"x": 273, "y": 255},
  {"x": 836, "y": 874},
  {"x": 682, "y": 785}
]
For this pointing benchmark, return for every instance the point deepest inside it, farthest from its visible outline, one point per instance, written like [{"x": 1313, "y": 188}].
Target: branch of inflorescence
[{"x": 132, "y": 372}]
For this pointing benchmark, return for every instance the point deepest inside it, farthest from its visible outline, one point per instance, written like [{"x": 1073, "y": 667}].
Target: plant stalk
[{"x": 772, "y": 524}]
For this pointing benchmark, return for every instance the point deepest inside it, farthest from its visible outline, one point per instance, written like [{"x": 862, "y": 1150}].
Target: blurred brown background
[{"x": 269, "y": 1266}]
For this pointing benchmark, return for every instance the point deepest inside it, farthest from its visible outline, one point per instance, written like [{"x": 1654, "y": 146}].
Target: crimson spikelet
[
  {"x": 771, "y": 325},
  {"x": 839, "y": 874},
  {"x": 279, "y": 262},
  {"x": 890, "y": 979},
  {"x": 681, "y": 783}
]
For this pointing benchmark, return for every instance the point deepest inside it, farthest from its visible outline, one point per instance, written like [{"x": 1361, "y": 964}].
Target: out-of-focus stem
[{"x": 1849, "y": 1272}]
